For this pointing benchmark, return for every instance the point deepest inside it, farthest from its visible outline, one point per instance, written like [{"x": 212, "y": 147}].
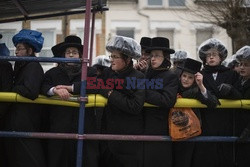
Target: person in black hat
[
  {"x": 65, "y": 81},
  {"x": 191, "y": 86},
  {"x": 143, "y": 62},
  {"x": 164, "y": 97}
]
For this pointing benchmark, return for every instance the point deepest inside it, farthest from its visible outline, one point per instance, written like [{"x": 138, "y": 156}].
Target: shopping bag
[{"x": 183, "y": 124}]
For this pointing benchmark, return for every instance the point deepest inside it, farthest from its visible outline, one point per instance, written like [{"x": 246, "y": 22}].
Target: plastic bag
[{"x": 183, "y": 124}]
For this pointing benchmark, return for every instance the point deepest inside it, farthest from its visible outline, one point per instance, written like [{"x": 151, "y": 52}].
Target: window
[
  {"x": 7, "y": 39},
  {"x": 202, "y": 35},
  {"x": 155, "y": 2},
  {"x": 176, "y": 3},
  {"x": 127, "y": 32},
  {"x": 167, "y": 33}
]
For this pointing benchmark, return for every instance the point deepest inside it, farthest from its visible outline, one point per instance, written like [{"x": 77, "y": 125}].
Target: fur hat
[
  {"x": 243, "y": 53},
  {"x": 179, "y": 56},
  {"x": 145, "y": 42},
  {"x": 160, "y": 43},
  {"x": 191, "y": 65},
  {"x": 4, "y": 51},
  {"x": 70, "y": 41},
  {"x": 209, "y": 44},
  {"x": 125, "y": 45},
  {"x": 31, "y": 37}
]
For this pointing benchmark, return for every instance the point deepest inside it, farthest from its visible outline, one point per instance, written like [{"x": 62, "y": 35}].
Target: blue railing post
[{"x": 80, "y": 146}]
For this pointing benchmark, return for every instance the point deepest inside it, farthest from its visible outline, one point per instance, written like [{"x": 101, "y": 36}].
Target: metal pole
[
  {"x": 92, "y": 38},
  {"x": 79, "y": 154}
]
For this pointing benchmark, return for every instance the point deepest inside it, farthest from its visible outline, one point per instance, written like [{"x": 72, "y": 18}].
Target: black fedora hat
[
  {"x": 145, "y": 42},
  {"x": 70, "y": 41},
  {"x": 160, "y": 43},
  {"x": 191, "y": 66}
]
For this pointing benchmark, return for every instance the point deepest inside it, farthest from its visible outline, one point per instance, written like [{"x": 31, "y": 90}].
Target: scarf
[
  {"x": 71, "y": 70},
  {"x": 214, "y": 69}
]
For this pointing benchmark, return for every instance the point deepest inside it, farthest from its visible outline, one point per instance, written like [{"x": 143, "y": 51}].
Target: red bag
[{"x": 183, "y": 124}]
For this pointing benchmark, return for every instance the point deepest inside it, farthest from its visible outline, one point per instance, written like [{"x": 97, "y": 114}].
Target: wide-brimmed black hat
[
  {"x": 160, "y": 43},
  {"x": 145, "y": 42},
  {"x": 191, "y": 65},
  {"x": 70, "y": 41}
]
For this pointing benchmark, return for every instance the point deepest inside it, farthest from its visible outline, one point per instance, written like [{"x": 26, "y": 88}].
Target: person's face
[
  {"x": 237, "y": 68},
  {"x": 245, "y": 68},
  {"x": 145, "y": 56},
  {"x": 213, "y": 57},
  {"x": 117, "y": 62},
  {"x": 72, "y": 52},
  {"x": 157, "y": 58},
  {"x": 21, "y": 50},
  {"x": 187, "y": 79}
]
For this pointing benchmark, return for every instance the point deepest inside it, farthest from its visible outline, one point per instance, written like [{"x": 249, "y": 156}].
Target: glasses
[
  {"x": 244, "y": 64},
  {"x": 213, "y": 54},
  {"x": 73, "y": 53},
  {"x": 19, "y": 49},
  {"x": 114, "y": 57}
]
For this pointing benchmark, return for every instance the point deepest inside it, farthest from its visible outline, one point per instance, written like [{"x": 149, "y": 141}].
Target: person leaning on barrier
[
  {"x": 243, "y": 116},
  {"x": 162, "y": 95},
  {"x": 26, "y": 117},
  {"x": 123, "y": 113},
  {"x": 6, "y": 81},
  {"x": 191, "y": 86},
  {"x": 143, "y": 62},
  {"x": 65, "y": 81},
  {"x": 220, "y": 81}
]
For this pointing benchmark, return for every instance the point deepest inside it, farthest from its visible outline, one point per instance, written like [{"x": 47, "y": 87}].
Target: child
[{"x": 191, "y": 86}]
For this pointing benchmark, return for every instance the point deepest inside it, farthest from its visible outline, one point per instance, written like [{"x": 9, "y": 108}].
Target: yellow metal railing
[{"x": 96, "y": 100}]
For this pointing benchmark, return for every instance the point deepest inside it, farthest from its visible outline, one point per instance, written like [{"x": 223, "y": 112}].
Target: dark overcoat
[
  {"x": 123, "y": 115},
  {"x": 26, "y": 117},
  {"x": 186, "y": 153},
  {"x": 156, "y": 118},
  {"x": 242, "y": 122},
  {"x": 63, "y": 119},
  {"x": 218, "y": 122}
]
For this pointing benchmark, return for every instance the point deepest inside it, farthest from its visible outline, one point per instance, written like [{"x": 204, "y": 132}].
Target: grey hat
[
  {"x": 125, "y": 45},
  {"x": 243, "y": 53},
  {"x": 209, "y": 44},
  {"x": 180, "y": 55},
  {"x": 102, "y": 60}
]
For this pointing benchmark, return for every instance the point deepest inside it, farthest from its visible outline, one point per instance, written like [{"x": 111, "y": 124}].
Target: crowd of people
[{"x": 167, "y": 75}]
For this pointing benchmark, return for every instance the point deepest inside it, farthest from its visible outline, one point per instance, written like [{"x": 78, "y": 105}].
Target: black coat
[
  {"x": 218, "y": 122},
  {"x": 242, "y": 122},
  {"x": 186, "y": 153},
  {"x": 156, "y": 118},
  {"x": 63, "y": 119},
  {"x": 6, "y": 83},
  {"x": 26, "y": 117},
  {"x": 123, "y": 115}
]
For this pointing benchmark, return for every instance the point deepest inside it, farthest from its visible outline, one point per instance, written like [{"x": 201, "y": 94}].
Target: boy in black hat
[
  {"x": 191, "y": 86},
  {"x": 65, "y": 81},
  {"x": 156, "y": 118},
  {"x": 143, "y": 62}
]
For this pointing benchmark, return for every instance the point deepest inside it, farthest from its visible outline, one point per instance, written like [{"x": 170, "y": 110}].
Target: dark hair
[{"x": 167, "y": 58}]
